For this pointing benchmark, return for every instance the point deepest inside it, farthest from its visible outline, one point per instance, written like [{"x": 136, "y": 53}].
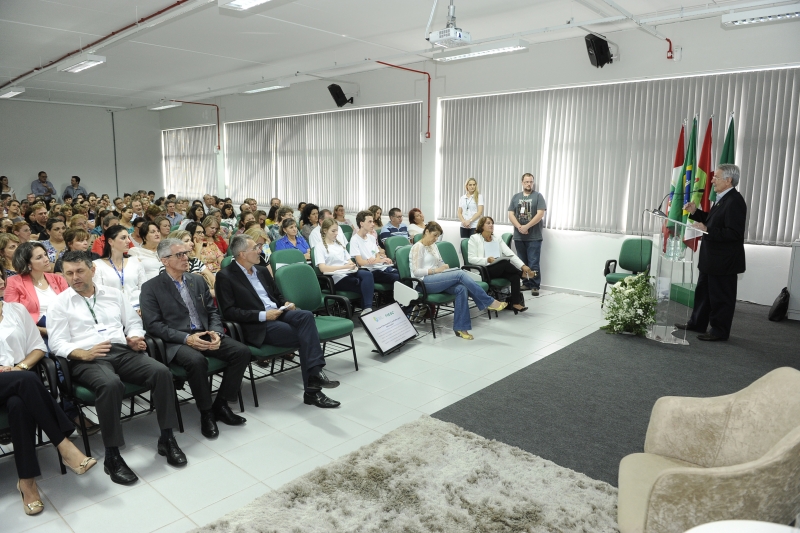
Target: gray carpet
[{"x": 588, "y": 405}]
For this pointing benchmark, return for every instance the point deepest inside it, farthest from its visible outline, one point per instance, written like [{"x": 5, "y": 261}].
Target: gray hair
[
  {"x": 239, "y": 244},
  {"x": 730, "y": 171},
  {"x": 165, "y": 247}
]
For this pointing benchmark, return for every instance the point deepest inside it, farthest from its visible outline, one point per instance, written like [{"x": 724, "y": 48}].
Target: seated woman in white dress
[
  {"x": 114, "y": 269},
  {"x": 146, "y": 253}
]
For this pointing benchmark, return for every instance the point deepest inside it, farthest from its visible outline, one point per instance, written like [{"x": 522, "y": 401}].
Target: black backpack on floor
[{"x": 781, "y": 305}]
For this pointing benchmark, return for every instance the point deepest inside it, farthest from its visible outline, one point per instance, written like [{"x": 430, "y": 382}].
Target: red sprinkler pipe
[
  {"x": 427, "y": 133},
  {"x": 98, "y": 41},
  {"x": 212, "y": 105}
]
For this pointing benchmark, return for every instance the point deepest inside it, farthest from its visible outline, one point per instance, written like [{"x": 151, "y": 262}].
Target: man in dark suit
[
  {"x": 247, "y": 294},
  {"x": 721, "y": 257},
  {"x": 177, "y": 307}
]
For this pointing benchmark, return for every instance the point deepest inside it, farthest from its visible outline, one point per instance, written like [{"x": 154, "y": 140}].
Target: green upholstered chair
[
  {"x": 507, "y": 238},
  {"x": 392, "y": 243},
  {"x": 272, "y": 247},
  {"x": 298, "y": 284},
  {"x": 434, "y": 301},
  {"x": 634, "y": 256},
  {"x": 449, "y": 256},
  {"x": 417, "y": 238},
  {"x": 226, "y": 261},
  {"x": 285, "y": 257},
  {"x": 496, "y": 284},
  {"x": 326, "y": 282},
  {"x": 347, "y": 230}
]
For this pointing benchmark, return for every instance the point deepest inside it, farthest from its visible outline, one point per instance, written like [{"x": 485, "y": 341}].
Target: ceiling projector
[{"x": 450, "y": 37}]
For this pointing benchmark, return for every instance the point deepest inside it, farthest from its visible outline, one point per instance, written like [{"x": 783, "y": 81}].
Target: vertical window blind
[
  {"x": 356, "y": 157},
  {"x": 602, "y": 154},
  {"x": 189, "y": 160}
]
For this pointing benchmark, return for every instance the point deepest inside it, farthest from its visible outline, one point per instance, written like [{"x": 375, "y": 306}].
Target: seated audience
[
  {"x": 248, "y": 296},
  {"x": 300, "y": 207},
  {"x": 136, "y": 239},
  {"x": 15, "y": 212},
  {"x": 177, "y": 308},
  {"x": 146, "y": 253},
  {"x": 333, "y": 259},
  {"x": 154, "y": 211},
  {"x": 76, "y": 239},
  {"x": 66, "y": 211},
  {"x": 245, "y": 219},
  {"x": 427, "y": 265},
  {"x": 395, "y": 227},
  {"x": 75, "y": 188},
  {"x": 338, "y": 215},
  {"x": 173, "y": 217},
  {"x": 228, "y": 216},
  {"x": 212, "y": 227},
  {"x": 100, "y": 242},
  {"x": 309, "y": 220},
  {"x": 196, "y": 214},
  {"x": 416, "y": 223},
  {"x": 377, "y": 217},
  {"x": 37, "y": 218},
  {"x": 487, "y": 250},
  {"x": 261, "y": 218},
  {"x": 282, "y": 214},
  {"x": 367, "y": 254},
  {"x": 42, "y": 187},
  {"x": 275, "y": 202},
  {"x": 260, "y": 238},
  {"x": 104, "y": 345},
  {"x": 205, "y": 249},
  {"x": 8, "y": 245},
  {"x": 115, "y": 270},
  {"x": 196, "y": 266},
  {"x": 292, "y": 239},
  {"x": 5, "y": 188},
  {"x": 126, "y": 218},
  {"x": 164, "y": 225},
  {"x": 272, "y": 216},
  {"x": 55, "y": 245},
  {"x": 315, "y": 237},
  {"x": 30, "y": 405}
]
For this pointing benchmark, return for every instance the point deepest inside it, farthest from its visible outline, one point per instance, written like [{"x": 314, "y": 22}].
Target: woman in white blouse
[
  {"x": 30, "y": 405},
  {"x": 428, "y": 266},
  {"x": 416, "y": 223},
  {"x": 488, "y": 251},
  {"x": 332, "y": 258},
  {"x": 114, "y": 269},
  {"x": 151, "y": 236},
  {"x": 470, "y": 208}
]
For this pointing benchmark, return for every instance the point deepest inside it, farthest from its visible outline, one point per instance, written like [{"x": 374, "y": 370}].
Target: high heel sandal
[
  {"x": 31, "y": 508},
  {"x": 502, "y": 306},
  {"x": 84, "y": 467},
  {"x": 464, "y": 335},
  {"x": 521, "y": 310}
]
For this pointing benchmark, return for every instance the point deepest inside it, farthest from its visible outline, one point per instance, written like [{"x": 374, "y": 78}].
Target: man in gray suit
[{"x": 177, "y": 307}]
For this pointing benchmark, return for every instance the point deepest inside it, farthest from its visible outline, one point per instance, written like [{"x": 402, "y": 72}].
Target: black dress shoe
[
  {"x": 321, "y": 382},
  {"x": 679, "y": 325},
  {"x": 320, "y": 400},
  {"x": 115, "y": 467},
  {"x": 709, "y": 337},
  {"x": 208, "y": 426},
  {"x": 170, "y": 448},
  {"x": 224, "y": 414}
]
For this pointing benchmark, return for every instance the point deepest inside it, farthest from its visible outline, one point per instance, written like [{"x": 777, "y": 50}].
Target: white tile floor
[{"x": 283, "y": 438}]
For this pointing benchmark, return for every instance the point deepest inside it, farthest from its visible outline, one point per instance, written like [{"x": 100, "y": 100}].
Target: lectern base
[{"x": 664, "y": 334}]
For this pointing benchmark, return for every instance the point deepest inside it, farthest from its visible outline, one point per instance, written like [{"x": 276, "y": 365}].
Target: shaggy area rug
[{"x": 432, "y": 476}]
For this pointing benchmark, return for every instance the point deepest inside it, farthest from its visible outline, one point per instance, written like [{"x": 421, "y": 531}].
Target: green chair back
[
  {"x": 392, "y": 243},
  {"x": 634, "y": 255},
  {"x": 465, "y": 251},
  {"x": 347, "y": 230},
  {"x": 226, "y": 261},
  {"x": 448, "y": 253},
  {"x": 286, "y": 257},
  {"x": 298, "y": 284},
  {"x": 403, "y": 265},
  {"x": 417, "y": 238},
  {"x": 272, "y": 247},
  {"x": 175, "y": 227},
  {"x": 507, "y": 238}
]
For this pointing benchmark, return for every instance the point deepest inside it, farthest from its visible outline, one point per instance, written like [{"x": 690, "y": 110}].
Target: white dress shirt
[
  {"x": 71, "y": 326},
  {"x": 19, "y": 336}
]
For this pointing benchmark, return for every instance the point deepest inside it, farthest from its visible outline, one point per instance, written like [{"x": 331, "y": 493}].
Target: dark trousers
[
  {"x": 529, "y": 252},
  {"x": 236, "y": 354},
  {"x": 361, "y": 281},
  {"x": 387, "y": 275},
  {"x": 30, "y": 405},
  {"x": 714, "y": 303},
  {"x": 504, "y": 269},
  {"x": 105, "y": 376},
  {"x": 466, "y": 233},
  {"x": 298, "y": 328}
]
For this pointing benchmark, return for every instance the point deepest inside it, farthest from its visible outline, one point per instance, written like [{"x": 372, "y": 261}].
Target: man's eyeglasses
[{"x": 179, "y": 255}]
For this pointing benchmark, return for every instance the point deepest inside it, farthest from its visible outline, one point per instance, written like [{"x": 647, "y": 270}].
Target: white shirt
[
  {"x": 469, "y": 208},
  {"x": 315, "y": 238},
  {"x": 335, "y": 255},
  {"x": 133, "y": 274},
  {"x": 366, "y": 248},
  {"x": 414, "y": 230},
  {"x": 19, "y": 336},
  {"x": 46, "y": 298},
  {"x": 70, "y": 324},
  {"x": 491, "y": 249},
  {"x": 150, "y": 261},
  {"x": 423, "y": 258}
]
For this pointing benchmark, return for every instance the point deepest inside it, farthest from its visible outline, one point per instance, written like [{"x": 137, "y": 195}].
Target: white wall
[{"x": 138, "y": 134}]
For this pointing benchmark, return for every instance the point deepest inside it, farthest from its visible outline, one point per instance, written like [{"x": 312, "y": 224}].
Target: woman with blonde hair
[
  {"x": 470, "y": 208},
  {"x": 334, "y": 260},
  {"x": 261, "y": 238},
  {"x": 338, "y": 216}
]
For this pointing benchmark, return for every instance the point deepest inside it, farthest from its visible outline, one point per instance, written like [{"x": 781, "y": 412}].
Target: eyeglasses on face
[{"x": 179, "y": 255}]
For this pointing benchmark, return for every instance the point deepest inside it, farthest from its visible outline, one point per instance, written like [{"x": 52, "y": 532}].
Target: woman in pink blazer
[{"x": 35, "y": 287}]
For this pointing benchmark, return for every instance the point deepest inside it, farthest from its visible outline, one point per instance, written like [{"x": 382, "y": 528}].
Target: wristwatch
[{"x": 23, "y": 366}]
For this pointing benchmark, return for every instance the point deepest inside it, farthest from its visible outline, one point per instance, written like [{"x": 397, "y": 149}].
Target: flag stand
[{"x": 673, "y": 303}]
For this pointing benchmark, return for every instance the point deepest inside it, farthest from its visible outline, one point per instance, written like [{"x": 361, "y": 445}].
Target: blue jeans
[
  {"x": 529, "y": 252},
  {"x": 360, "y": 281},
  {"x": 459, "y": 283}
]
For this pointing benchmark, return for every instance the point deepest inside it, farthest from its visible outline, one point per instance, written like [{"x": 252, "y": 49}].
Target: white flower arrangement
[{"x": 631, "y": 306}]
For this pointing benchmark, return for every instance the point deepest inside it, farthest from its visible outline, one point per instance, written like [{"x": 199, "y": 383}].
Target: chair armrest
[
  {"x": 481, "y": 270},
  {"x": 47, "y": 368},
  {"x": 341, "y": 299},
  {"x": 608, "y": 268},
  {"x": 326, "y": 281},
  {"x": 689, "y": 429},
  {"x": 234, "y": 329},
  {"x": 156, "y": 349},
  {"x": 65, "y": 387},
  {"x": 420, "y": 286}
]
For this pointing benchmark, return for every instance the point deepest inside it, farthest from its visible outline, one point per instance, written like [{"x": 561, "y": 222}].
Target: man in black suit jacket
[
  {"x": 177, "y": 307},
  {"x": 247, "y": 294},
  {"x": 721, "y": 257}
]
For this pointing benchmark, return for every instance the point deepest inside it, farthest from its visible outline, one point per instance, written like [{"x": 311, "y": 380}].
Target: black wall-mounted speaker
[
  {"x": 599, "y": 53},
  {"x": 338, "y": 95}
]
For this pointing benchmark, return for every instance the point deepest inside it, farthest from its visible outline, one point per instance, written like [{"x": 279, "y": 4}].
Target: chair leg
[
  {"x": 603, "y": 301},
  {"x": 353, "y": 345},
  {"x": 82, "y": 420},
  {"x": 241, "y": 402},
  {"x": 61, "y": 463},
  {"x": 178, "y": 412},
  {"x": 253, "y": 383},
  {"x": 433, "y": 324}
]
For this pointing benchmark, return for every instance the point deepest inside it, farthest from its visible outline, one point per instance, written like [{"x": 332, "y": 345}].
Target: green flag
[
  {"x": 683, "y": 188},
  {"x": 728, "y": 153}
]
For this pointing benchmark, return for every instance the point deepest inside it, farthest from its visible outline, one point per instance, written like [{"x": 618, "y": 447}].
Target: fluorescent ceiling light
[
  {"x": 81, "y": 63},
  {"x": 500, "y": 47},
  {"x": 241, "y": 5},
  {"x": 10, "y": 92},
  {"x": 164, "y": 104},
  {"x": 771, "y": 14},
  {"x": 269, "y": 86}
]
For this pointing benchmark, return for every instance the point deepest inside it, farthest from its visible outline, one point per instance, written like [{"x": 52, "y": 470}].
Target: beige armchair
[{"x": 722, "y": 458}]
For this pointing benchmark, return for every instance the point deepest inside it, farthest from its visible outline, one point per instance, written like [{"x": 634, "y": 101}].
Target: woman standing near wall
[{"x": 470, "y": 208}]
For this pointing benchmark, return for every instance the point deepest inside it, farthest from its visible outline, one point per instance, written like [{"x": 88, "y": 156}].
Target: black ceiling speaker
[
  {"x": 338, "y": 95},
  {"x": 599, "y": 54}
]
